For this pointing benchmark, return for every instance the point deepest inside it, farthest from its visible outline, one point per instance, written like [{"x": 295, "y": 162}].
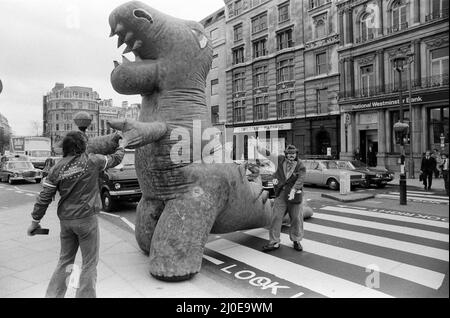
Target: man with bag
[{"x": 288, "y": 185}]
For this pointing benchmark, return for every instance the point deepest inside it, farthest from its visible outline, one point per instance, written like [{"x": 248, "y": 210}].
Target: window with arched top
[
  {"x": 398, "y": 16},
  {"x": 366, "y": 27}
]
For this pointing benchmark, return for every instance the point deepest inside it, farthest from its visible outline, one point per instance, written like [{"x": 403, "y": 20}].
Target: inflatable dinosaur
[{"x": 183, "y": 199}]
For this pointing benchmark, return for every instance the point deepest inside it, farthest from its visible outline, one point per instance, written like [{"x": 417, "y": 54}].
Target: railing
[
  {"x": 436, "y": 15},
  {"x": 363, "y": 39},
  {"x": 425, "y": 82},
  {"x": 397, "y": 28}
]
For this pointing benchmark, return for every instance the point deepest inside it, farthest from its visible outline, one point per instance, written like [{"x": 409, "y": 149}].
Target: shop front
[{"x": 367, "y": 128}]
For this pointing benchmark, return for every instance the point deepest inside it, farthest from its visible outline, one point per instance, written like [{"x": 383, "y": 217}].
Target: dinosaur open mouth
[{"x": 133, "y": 43}]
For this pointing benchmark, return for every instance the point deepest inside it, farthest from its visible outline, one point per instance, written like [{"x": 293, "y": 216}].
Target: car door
[{"x": 316, "y": 173}]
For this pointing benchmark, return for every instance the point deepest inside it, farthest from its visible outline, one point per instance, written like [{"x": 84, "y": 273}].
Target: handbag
[
  {"x": 298, "y": 197},
  {"x": 421, "y": 177}
]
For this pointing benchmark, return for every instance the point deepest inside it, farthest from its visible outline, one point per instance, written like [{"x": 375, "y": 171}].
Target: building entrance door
[{"x": 369, "y": 146}]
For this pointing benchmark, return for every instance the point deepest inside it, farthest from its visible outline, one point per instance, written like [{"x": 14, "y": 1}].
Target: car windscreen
[
  {"x": 20, "y": 165},
  {"x": 39, "y": 153},
  {"x": 358, "y": 164},
  {"x": 128, "y": 161},
  {"x": 330, "y": 164},
  {"x": 345, "y": 165}
]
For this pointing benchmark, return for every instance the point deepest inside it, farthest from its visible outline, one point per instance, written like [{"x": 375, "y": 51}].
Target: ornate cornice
[
  {"x": 366, "y": 59},
  {"x": 322, "y": 42},
  {"x": 436, "y": 42}
]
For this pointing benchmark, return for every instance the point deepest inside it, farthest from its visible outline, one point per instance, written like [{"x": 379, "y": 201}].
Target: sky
[{"x": 43, "y": 42}]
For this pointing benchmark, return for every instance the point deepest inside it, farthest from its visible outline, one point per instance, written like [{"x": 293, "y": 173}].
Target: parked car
[
  {"x": 14, "y": 157},
  {"x": 374, "y": 176},
  {"x": 260, "y": 167},
  {"x": 12, "y": 171},
  {"x": 48, "y": 164},
  {"x": 327, "y": 173},
  {"x": 119, "y": 183}
]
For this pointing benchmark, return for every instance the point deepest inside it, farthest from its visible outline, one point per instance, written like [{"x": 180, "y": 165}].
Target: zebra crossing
[
  {"x": 417, "y": 196},
  {"x": 347, "y": 252}
]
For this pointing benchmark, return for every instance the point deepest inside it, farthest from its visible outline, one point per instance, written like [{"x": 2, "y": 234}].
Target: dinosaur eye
[{"x": 142, "y": 14}]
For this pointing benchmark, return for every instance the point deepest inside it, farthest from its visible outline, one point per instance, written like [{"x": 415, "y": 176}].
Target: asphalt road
[{"x": 371, "y": 248}]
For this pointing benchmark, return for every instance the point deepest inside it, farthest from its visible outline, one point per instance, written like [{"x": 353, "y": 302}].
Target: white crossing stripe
[
  {"x": 317, "y": 281},
  {"x": 387, "y": 216},
  {"x": 423, "y": 195},
  {"x": 30, "y": 194},
  {"x": 412, "y": 273},
  {"x": 392, "y": 196},
  {"x": 419, "y": 192},
  {"x": 381, "y": 226},
  {"x": 20, "y": 192},
  {"x": 408, "y": 247},
  {"x": 213, "y": 260}
]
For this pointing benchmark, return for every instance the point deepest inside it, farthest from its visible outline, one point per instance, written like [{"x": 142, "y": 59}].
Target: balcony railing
[
  {"x": 363, "y": 39},
  {"x": 397, "y": 28},
  {"x": 416, "y": 84},
  {"x": 436, "y": 15}
]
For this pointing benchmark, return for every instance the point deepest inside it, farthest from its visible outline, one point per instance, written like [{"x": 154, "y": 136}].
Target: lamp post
[
  {"x": 98, "y": 100},
  {"x": 410, "y": 56},
  {"x": 400, "y": 128}
]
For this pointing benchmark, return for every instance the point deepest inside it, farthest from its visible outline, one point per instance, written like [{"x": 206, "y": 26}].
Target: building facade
[
  {"x": 372, "y": 34},
  {"x": 5, "y": 133},
  {"x": 62, "y": 103},
  {"x": 216, "y": 98}
]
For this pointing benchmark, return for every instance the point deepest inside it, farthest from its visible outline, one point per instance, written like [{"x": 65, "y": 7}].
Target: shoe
[
  {"x": 429, "y": 188},
  {"x": 271, "y": 247},
  {"x": 298, "y": 246}
]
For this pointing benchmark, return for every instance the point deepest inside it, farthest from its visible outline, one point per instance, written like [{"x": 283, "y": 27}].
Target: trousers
[
  {"x": 83, "y": 234},
  {"x": 280, "y": 208},
  {"x": 427, "y": 179}
]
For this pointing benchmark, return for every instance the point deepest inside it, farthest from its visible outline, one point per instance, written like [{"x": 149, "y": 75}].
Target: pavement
[
  {"x": 27, "y": 263},
  {"x": 437, "y": 184}
]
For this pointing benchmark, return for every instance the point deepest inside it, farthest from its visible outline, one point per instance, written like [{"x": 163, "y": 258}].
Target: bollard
[{"x": 402, "y": 189}]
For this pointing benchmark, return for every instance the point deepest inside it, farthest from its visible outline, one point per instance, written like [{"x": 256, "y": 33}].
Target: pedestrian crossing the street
[
  {"x": 347, "y": 252},
  {"x": 417, "y": 196}
]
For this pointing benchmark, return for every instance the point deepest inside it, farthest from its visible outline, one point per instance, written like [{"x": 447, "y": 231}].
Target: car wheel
[
  {"x": 333, "y": 184},
  {"x": 9, "y": 180},
  {"x": 108, "y": 202}
]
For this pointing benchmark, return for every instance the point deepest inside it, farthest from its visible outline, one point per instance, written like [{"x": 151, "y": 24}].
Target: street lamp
[
  {"x": 410, "y": 56},
  {"x": 401, "y": 128}
]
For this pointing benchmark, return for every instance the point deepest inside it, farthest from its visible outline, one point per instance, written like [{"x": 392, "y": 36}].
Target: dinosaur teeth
[
  {"x": 137, "y": 45},
  {"x": 129, "y": 36},
  {"x": 116, "y": 64},
  {"x": 120, "y": 42},
  {"x": 127, "y": 50},
  {"x": 112, "y": 33},
  {"x": 119, "y": 28},
  {"x": 125, "y": 60}
]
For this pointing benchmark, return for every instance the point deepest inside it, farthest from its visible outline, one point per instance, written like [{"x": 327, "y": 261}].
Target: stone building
[
  {"x": 372, "y": 34},
  {"x": 5, "y": 133}
]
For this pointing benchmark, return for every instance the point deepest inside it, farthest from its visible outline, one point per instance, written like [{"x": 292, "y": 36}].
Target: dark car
[
  {"x": 48, "y": 164},
  {"x": 374, "y": 176},
  {"x": 261, "y": 167},
  {"x": 119, "y": 183},
  {"x": 12, "y": 171}
]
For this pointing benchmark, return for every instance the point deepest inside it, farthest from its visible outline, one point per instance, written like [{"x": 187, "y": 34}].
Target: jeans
[
  {"x": 83, "y": 233},
  {"x": 280, "y": 208}
]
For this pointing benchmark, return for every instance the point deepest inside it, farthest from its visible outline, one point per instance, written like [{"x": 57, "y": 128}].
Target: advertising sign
[{"x": 18, "y": 144}]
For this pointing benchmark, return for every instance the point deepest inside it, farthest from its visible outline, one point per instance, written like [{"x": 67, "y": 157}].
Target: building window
[
  {"x": 237, "y": 7},
  {"x": 261, "y": 108},
  {"x": 283, "y": 12},
  {"x": 259, "y": 23},
  {"x": 214, "y": 61},
  {"x": 365, "y": 25},
  {"x": 438, "y": 127},
  {"x": 255, "y": 3},
  {"x": 214, "y": 114},
  {"x": 57, "y": 126},
  {"x": 237, "y": 32},
  {"x": 238, "y": 55},
  {"x": 439, "y": 9},
  {"x": 214, "y": 34},
  {"x": 285, "y": 104},
  {"x": 439, "y": 66},
  {"x": 320, "y": 29},
  {"x": 259, "y": 48},
  {"x": 285, "y": 71},
  {"x": 367, "y": 80},
  {"x": 322, "y": 101},
  {"x": 260, "y": 77},
  {"x": 317, "y": 3},
  {"x": 214, "y": 87},
  {"x": 321, "y": 63},
  {"x": 238, "y": 82},
  {"x": 398, "y": 16},
  {"x": 284, "y": 39},
  {"x": 239, "y": 110},
  {"x": 56, "y": 116}
]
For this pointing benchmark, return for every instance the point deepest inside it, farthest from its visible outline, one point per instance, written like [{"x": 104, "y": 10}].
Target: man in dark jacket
[
  {"x": 75, "y": 177},
  {"x": 427, "y": 169},
  {"x": 288, "y": 180}
]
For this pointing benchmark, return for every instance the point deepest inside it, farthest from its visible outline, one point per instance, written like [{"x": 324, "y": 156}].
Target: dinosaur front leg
[
  {"x": 182, "y": 231},
  {"x": 138, "y": 134},
  {"x": 148, "y": 212}
]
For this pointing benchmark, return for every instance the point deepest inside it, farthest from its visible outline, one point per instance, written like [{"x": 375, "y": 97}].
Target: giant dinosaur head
[{"x": 170, "y": 53}]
